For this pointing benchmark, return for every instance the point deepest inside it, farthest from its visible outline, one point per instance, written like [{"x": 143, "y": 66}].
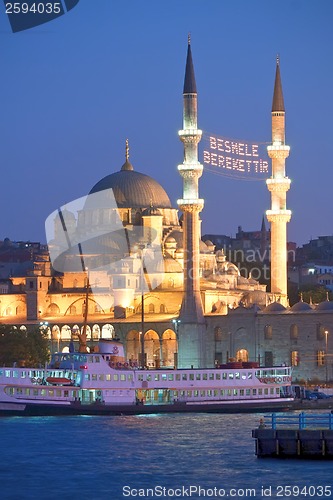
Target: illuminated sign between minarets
[{"x": 278, "y": 185}]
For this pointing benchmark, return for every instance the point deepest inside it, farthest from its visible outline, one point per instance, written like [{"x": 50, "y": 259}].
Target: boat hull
[{"x": 29, "y": 409}]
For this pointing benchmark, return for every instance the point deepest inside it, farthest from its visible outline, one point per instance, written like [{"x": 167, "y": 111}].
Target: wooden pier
[{"x": 299, "y": 436}]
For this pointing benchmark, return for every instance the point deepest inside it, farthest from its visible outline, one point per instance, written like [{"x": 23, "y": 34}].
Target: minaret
[
  {"x": 192, "y": 322},
  {"x": 278, "y": 185}
]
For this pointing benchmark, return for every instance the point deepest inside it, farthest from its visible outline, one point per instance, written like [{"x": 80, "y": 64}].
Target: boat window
[
  {"x": 18, "y": 390},
  {"x": 191, "y": 376},
  {"x": 216, "y": 393},
  {"x": 231, "y": 375},
  {"x": 196, "y": 393},
  {"x": 237, "y": 375},
  {"x": 177, "y": 376},
  {"x": 229, "y": 392},
  {"x": 130, "y": 376},
  {"x": 23, "y": 374},
  {"x": 202, "y": 393},
  {"x": 249, "y": 375},
  {"x": 211, "y": 376},
  {"x": 43, "y": 392},
  {"x": 184, "y": 376},
  {"x": 108, "y": 377},
  {"x": 277, "y": 390},
  {"x": 170, "y": 376},
  {"x": 116, "y": 377},
  {"x": 7, "y": 373},
  {"x": 87, "y": 376},
  {"x": 122, "y": 377},
  {"x": 265, "y": 391},
  {"x": 189, "y": 393},
  {"x": 260, "y": 392},
  {"x": 241, "y": 392},
  {"x": 182, "y": 393},
  {"x": 235, "y": 392},
  {"x": 198, "y": 376},
  {"x": 58, "y": 393},
  {"x": 101, "y": 376},
  {"x": 15, "y": 373},
  {"x": 94, "y": 376},
  {"x": 27, "y": 391},
  {"x": 272, "y": 390},
  {"x": 97, "y": 359},
  {"x": 204, "y": 376},
  {"x": 224, "y": 376},
  {"x": 51, "y": 392},
  {"x": 156, "y": 377},
  {"x": 254, "y": 392},
  {"x": 140, "y": 377},
  {"x": 222, "y": 392},
  {"x": 209, "y": 393},
  {"x": 175, "y": 393},
  {"x": 248, "y": 392},
  {"x": 164, "y": 377},
  {"x": 1, "y": 373},
  {"x": 148, "y": 377},
  {"x": 243, "y": 376}
]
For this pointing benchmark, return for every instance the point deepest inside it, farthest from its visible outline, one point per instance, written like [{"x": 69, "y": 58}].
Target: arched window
[
  {"x": 294, "y": 332},
  {"x": 268, "y": 330},
  {"x": 162, "y": 309},
  {"x": 151, "y": 308}
]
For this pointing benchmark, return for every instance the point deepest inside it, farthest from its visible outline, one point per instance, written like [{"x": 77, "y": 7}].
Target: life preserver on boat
[
  {"x": 115, "y": 349},
  {"x": 39, "y": 381},
  {"x": 278, "y": 380},
  {"x": 33, "y": 380},
  {"x": 112, "y": 364},
  {"x": 98, "y": 393},
  {"x": 126, "y": 365},
  {"x": 119, "y": 365}
]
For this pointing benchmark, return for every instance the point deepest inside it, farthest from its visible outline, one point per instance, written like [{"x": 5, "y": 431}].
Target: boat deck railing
[{"x": 300, "y": 421}]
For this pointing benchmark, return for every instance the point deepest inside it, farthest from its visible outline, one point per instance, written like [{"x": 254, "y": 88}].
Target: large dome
[{"x": 132, "y": 189}]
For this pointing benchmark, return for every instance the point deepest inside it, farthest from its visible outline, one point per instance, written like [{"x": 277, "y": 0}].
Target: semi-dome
[{"x": 132, "y": 189}]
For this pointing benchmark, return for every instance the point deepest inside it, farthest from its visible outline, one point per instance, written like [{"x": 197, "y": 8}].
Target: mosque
[{"x": 153, "y": 283}]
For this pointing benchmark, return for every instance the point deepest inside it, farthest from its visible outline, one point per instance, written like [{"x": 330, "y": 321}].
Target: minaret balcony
[
  {"x": 278, "y": 185},
  {"x": 278, "y": 215},
  {"x": 279, "y": 151},
  {"x": 190, "y": 169},
  {"x": 190, "y": 132},
  {"x": 194, "y": 205}
]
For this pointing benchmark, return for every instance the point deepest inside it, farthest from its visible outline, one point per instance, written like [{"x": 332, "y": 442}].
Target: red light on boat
[{"x": 84, "y": 367}]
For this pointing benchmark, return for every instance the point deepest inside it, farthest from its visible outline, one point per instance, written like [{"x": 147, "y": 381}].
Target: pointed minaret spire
[
  {"x": 189, "y": 81},
  {"x": 278, "y": 102}
]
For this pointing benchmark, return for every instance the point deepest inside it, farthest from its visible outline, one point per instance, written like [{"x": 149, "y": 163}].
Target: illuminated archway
[
  {"x": 66, "y": 333},
  {"x": 107, "y": 331},
  {"x": 152, "y": 349},
  {"x": 133, "y": 347},
  {"x": 242, "y": 355},
  {"x": 169, "y": 348}
]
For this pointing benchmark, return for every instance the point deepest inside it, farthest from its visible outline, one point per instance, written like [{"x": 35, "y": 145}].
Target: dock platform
[{"x": 299, "y": 436}]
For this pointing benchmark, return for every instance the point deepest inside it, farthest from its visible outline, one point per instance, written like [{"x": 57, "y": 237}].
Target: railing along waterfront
[{"x": 300, "y": 421}]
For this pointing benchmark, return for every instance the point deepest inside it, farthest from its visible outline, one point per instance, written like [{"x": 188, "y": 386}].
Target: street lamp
[
  {"x": 326, "y": 354},
  {"x": 58, "y": 339}
]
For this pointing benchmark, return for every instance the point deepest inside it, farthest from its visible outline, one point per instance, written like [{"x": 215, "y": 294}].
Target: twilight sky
[{"x": 74, "y": 89}]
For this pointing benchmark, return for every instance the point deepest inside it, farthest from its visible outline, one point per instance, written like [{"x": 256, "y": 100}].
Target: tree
[{"x": 26, "y": 347}]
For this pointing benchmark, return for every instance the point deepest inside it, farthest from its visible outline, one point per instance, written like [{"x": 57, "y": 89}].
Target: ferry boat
[{"x": 104, "y": 383}]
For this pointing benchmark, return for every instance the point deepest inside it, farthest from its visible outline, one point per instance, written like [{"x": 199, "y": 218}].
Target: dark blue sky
[{"x": 74, "y": 89}]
